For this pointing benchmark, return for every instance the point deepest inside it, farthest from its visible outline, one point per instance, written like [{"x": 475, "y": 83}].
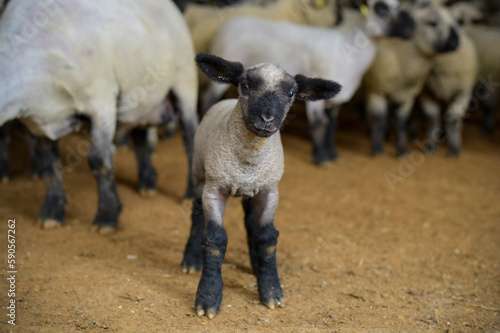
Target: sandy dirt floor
[{"x": 355, "y": 254}]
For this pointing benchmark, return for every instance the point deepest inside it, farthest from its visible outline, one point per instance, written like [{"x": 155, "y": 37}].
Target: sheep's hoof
[
  {"x": 190, "y": 269},
  {"x": 147, "y": 192},
  {"x": 104, "y": 229},
  {"x": 275, "y": 303},
  {"x": 210, "y": 312},
  {"x": 5, "y": 180},
  {"x": 49, "y": 224},
  {"x": 325, "y": 164}
]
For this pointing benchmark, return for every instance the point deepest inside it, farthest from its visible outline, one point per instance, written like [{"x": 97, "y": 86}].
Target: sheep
[
  {"x": 344, "y": 54},
  {"x": 111, "y": 62},
  {"x": 400, "y": 69},
  {"x": 204, "y": 21},
  {"x": 451, "y": 81},
  {"x": 238, "y": 152},
  {"x": 483, "y": 37}
]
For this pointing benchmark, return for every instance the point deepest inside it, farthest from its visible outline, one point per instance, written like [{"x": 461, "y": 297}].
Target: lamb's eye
[
  {"x": 291, "y": 93},
  {"x": 432, "y": 24},
  {"x": 244, "y": 87}
]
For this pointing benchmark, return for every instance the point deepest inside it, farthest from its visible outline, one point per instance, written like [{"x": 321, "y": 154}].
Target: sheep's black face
[{"x": 266, "y": 94}]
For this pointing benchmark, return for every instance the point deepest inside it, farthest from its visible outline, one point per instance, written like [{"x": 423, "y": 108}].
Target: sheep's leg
[
  {"x": 453, "y": 123},
  {"x": 209, "y": 295},
  {"x": 121, "y": 138},
  {"x": 185, "y": 106},
  {"x": 433, "y": 113},
  {"x": 318, "y": 122},
  {"x": 331, "y": 129},
  {"x": 265, "y": 240},
  {"x": 143, "y": 151},
  {"x": 100, "y": 158},
  {"x": 402, "y": 114},
  {"x": 4, "y": 153},
  {"x": 251, "y": 226},
  {"x": 35, "y": 164},
  {"x": 192, "y": 260},
  {"x": 53, "y": 210},
  {"x": 377, "y": 117}
]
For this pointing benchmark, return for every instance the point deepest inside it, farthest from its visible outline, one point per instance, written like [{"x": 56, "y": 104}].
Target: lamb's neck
[
  {"x": 356, "y": 28},
  {"x": 247, "y": 146}
]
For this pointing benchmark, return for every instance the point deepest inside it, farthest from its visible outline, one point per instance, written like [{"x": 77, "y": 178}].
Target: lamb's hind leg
[
  {"x": 143, "y": 151},
  {"x": 265, "y": 240},
  {"x": 251, "y": 226},
  {"x": 53, "y": 210},
  {"x": 192, "y": 260},
  {"x": 100, "y": 158}
]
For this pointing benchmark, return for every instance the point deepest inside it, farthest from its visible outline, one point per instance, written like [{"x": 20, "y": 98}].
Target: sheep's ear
[
  {"x": 315, "y": 89},
  {"x": 218, "y": 69}
]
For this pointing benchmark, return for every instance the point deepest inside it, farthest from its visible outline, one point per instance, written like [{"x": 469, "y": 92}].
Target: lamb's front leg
[
  {"x": 209, "y": 294},
  {"x": 265, "y": 239}
]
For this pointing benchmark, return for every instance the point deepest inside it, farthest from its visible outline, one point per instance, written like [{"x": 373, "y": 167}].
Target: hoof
[
  {"x": 275, "y": 303},
  {"x": 186, "y": 269},
  {"x": 49, "y": 224},
  {"x": 325, "y": 164},
  {"x": 104, "y": 229},
  {"x": 147, "y": 192},
  {"x": 5, "y": 180},
  {"x": 210, "y": 313}
]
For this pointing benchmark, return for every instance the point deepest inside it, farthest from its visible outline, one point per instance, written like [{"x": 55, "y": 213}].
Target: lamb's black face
[{"x": 266, "y": 94}]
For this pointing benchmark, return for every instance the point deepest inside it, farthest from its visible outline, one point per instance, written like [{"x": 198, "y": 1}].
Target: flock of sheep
[{"x": 123, "y": 65}]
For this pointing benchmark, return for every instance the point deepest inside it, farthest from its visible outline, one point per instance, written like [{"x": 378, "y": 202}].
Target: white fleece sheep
[
  {"x": 204, "y": 21},
  {"x": 451, "y": 82},
  {"x": 238, "y": 152},
  {"x": 112, "y": 61},
  {"x": 342, "y": 53},
  {"x": 485, "y": 39},
  {"x": 400, "y": 70}
]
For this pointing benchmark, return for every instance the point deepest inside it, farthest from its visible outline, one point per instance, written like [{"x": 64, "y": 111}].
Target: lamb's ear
[
  {"x": 315, "y": 89},
  {"x": 218, "y": 69}
]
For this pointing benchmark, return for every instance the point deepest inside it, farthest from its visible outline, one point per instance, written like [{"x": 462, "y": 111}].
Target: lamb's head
[
  {"x": 386, "y": 18},
  {"x": 437, "y": 31},
  {"x": 265, "y": 91},
  {"x": 467, "y": 14}
]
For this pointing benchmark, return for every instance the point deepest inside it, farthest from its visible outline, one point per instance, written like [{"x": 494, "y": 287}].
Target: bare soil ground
[{"x": 354, "y": 253}]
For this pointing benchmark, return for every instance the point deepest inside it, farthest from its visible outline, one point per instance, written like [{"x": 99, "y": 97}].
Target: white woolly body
[
  {"x": 230, "y": 159},
  {"x": 204, "y": 21},
  {"x": 343, "y": 54},
  {"x": 113, "y": 60}
]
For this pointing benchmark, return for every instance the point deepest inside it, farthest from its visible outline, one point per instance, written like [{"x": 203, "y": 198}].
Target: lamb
[
  {"x": 204, "y": 21},
  {"x": 451, "y": 81},
  {"x": 238, "y": 152},
  {"x": 344, "y": 53},
  {"x": 483, "y": 37},
  {"x": 400, "y": 69},
  {"x": 108, "y": 62}
]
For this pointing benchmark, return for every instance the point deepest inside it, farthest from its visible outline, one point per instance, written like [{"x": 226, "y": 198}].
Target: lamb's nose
[{"x": 267, "y": 119}]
